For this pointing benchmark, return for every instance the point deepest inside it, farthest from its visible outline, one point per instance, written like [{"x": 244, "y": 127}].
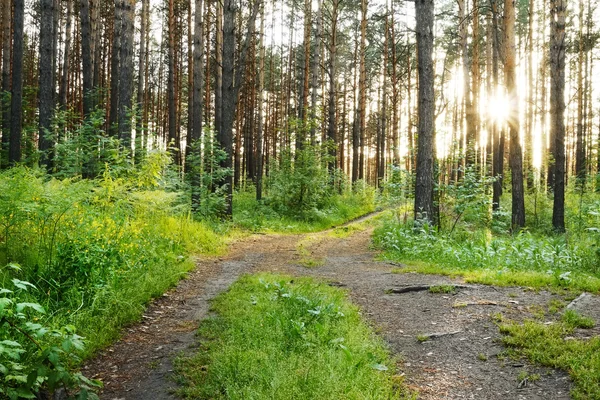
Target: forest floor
[{"x": 461, "y": 360}]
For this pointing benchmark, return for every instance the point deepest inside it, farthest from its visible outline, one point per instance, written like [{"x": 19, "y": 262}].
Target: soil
[{"x": 462, "y": 359}]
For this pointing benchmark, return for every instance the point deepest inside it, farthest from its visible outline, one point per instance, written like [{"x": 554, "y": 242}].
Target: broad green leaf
[
  {"x": 25, "y": 393},
  {"x": 22, "y": 284},
  {"x": 379, "y": 367},
  {"x": 4, "y": 302},
  {"x": 5, "y": 291},
  {"x": 14, "y": 266},
  {"x": 10, "y": 343},
  {"x": 35, "y": 306}
]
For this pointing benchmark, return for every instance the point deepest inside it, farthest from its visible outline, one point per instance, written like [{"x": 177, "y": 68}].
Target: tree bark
[
  {"x": 46, "y": 82},
  {"x": 332, "y": 102},
  {"x": 424, "y": 208},
  {"x": 117, "y": 34},
  {"x": 126, "y": 73},
  {"x": 232, "y": 77},
  {"x": 261, "y": 86},
  {"x": 516, "y": 153},
  {"x": 557, "y": 107},
  {"x": 64, "y": 83},
  {"x": 6, "y": 78},
  {"x": 87, "y": 58},
  {"x": 14, "y": 150},
  {"x": 498, "y": 157},
  {"x": 362, "y": 89}
]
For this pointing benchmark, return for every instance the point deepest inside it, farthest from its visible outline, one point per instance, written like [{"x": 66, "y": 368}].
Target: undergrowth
[
  {"x": 473, "y": 243},
  {"x": 277, "y": 337},
  {"x": 553, "y": 345},
  {"x": 95, "y": 252}
]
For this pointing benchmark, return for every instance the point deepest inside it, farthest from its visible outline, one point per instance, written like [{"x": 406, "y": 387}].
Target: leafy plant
[{"x": 33, "y": 357}]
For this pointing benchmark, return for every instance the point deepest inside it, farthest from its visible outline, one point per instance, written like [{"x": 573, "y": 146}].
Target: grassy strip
[
  {"x": 260, "y": 217},
  {"x": 548, "y": 345},
  {"x": 479, "y": 257},
  {"x": 538, "y": 280},
  {"x": 277, "y": 337}
]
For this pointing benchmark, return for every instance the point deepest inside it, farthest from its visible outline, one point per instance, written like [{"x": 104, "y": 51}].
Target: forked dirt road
[{"x": 460, "y": 361}]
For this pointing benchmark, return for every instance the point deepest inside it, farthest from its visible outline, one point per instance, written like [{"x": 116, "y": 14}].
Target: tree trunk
[
  {"x": 580, "y": 152},
  {"x": 516, "y": 153},
  {"x": 498, "y": 157},
  {"x": 332, "y": 103},
  {"x": 315, "y": 76},
  {"x": 64, "y": 83},
  {"x": 469, "y": 111},
  {"x": 557, "y": 107},
  {"x": 232, "y": 77},
  {"x": 362, "y": 90},
  {"x": 6, "y": 77},
  {"x": 197, "y": 109},
  {"x": 117, "y": 34},
  {"x": 424, "y": 208},
  {"x": 171, "y": 85},
  {"x": 476, "y": 77},
  {"x": 261, "y": 86},
  {"x": 140, "y": 144},
  {"x": 14, "y": 150},
  {"x": 87, "y": 57},
  {"x": 126, "y": 73},
  {"x": 46, "y": 82}
]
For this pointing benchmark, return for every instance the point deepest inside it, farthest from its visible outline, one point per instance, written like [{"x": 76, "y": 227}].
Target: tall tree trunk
[
  {"x": 140, "y": 144},
  {"x": 531, "y": 99},
  {"x": 471, "y": 134},
  {"x": 194, "y": 150},
  {"x": 232, "y": 77},
  {"x": 219, "y": 67},
  {"x": 64, "y": 83},
  {"x": 424, "y": 208},
  {"x": 14, "y": 150},
  {"x": 303, "y": 98},
  {"x": 516, "y": 153},
  {"x": 117, "y": 33},
  {"x": 315, "y": 75},
  {"x": 498, "y": 156},
  {"x": 126, "y": 73},
  {"x": 171, "y": 84},
  {"x": 261, "y": 86},
  {"x": 557, "y": 107},
  {"x": 476, "y": 77},
  {"x": 46, "y": 81},
  {"x": 6, "y": 77},
  {"x": 362, "y": 89},
  {"x": 332, "y": 103},
  {"x": 580, "y": 152},
  {"x": 87, "y": 56}
]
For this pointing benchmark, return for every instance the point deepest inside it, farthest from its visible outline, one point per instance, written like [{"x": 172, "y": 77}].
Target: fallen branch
[
  {"x": 424, "y": 288},
  {"x": 477, "y": 303},
  {"x": 441, "y": 334}
]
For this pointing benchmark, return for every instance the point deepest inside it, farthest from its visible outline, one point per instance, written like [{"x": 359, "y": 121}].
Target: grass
[
  {"x": 442, "y": 289},
  {"x": 529, "y": 260},
  {"x": 277, "y": 337},
  {"x": 553, "y": 346},
  {"x": 260, "y": 217}
]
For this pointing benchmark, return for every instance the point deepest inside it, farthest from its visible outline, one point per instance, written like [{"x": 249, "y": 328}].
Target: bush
[{"x": 299, "y": 188}]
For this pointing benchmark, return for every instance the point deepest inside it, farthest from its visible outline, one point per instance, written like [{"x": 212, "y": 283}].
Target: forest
[{"x": 449, "y": 150}]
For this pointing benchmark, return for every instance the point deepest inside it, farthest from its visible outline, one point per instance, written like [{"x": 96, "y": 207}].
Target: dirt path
[{"x": 461, "y": 365}]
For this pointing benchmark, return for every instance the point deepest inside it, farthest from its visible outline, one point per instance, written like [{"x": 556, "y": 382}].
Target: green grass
[
  {"x": 548, "y": 345},
  {"x": 527, "y": 259},
  {"x": 277, "y": 337},
  {"x": 260, "y": 217},
  {"x": 442, "y": 289}
]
